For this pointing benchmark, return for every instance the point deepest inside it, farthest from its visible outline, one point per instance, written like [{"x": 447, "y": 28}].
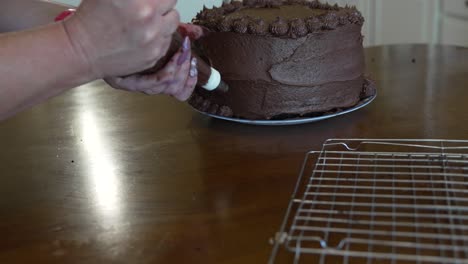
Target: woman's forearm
[
  {"x": 37, "y": 64},
  {"x": 18, "y": 15},
  {"x": 101, "y": 40}
]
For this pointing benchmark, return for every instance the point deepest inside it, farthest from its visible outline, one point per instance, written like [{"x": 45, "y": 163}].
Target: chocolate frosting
[
  {"x": 298, "y": 28},
  {"x": 311, "y": 60},
  {"x": 276, "y": 63},
  {"x": 228, "y": 8},
  {"x": 317, "y": 16},
  {"x": 225, "y": 25},
  {"x": 273, "y": 3},
  {"x": 313, "y": 24},
  {"x": 331, "y": 21},
  {"x": 258, "y": 27},
  {"x": 240, "y": 25},
  {"x": 279, "y": 27}
]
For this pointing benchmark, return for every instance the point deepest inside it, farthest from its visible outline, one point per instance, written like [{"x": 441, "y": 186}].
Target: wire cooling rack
[{"x": 378, "y": 201}]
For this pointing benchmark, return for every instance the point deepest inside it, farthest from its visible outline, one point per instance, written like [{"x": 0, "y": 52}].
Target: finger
[
  {"x": 182, "y": 72},
  {"x": 186, "y": 51},
  {"x": 190, "y": 80},
  {"x": 164, "y": 78},
  {"x": 113, "y": 82},
  {"x": 133, "y": 83},
  {"x": 164, "y": 6},
  {"x": 169, "y": 23},
  {"x": 136, "y": 83},
  {"x": 187, "y": 91},
  {"x": 147, "y": 84},
  {"x": 169, "y": 70},
  {"x": 157, "y": 83}
]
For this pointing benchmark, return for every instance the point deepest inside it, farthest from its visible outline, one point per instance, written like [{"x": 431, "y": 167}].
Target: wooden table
[{"x": 98, "y": 175}]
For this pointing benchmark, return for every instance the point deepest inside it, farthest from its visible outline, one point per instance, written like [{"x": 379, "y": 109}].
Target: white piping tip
[{"x": 213, "y": 81}]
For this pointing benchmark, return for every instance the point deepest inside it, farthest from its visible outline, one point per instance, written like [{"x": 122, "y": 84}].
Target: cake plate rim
[{"x": 294, "y": 121}]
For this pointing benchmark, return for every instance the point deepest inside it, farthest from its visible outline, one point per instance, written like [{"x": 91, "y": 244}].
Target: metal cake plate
[{"x": 293, "y": 121}]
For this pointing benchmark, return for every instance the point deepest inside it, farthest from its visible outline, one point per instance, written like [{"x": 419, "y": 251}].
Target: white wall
[
  {"x": 187, "y": 8},
  {"x": 68, "y": 2}
]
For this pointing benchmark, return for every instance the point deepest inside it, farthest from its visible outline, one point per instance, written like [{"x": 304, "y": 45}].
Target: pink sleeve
[{"x": 64, "y": 15}]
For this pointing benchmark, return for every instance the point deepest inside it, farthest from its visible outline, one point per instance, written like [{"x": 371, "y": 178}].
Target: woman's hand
[
  {"x": 178, "y": 78},
  {"x": 121, "y": 37}
]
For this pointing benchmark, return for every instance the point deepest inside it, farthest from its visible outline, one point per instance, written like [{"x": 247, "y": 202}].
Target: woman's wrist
[
  {"x": 77, "y": 57},
  {"x": 69, "y": 29}
]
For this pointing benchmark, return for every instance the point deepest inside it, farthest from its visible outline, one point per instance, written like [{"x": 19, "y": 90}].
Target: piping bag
[{"x": 208, "y": 77}]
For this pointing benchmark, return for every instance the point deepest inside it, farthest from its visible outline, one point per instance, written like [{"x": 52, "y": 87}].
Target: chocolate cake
[{"x": 283, "y": 59}]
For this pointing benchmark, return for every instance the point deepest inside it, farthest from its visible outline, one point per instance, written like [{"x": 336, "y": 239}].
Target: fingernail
[
  {"x": 186, "y": 44},
  {"x": 193, "y": 68},
  {"x": 193, "y": 72},
  {"x": 185, "y": 52}
]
